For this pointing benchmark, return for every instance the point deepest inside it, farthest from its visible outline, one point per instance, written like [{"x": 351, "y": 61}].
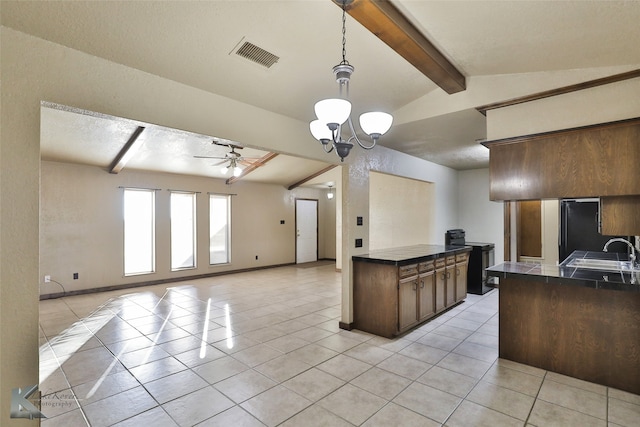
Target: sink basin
[{"x": 601, "y": 264}]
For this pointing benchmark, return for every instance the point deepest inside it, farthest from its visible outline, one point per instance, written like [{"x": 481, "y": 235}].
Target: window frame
[
  {"x": 194, "y": 228},
  {"x": 227, "y": 198},
  {"x": 152, "y": 214}
]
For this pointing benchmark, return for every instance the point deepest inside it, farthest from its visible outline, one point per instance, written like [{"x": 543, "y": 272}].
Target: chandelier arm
[
  {"x": 354, "y": 136},
  {"x": 324, "y": 147}
]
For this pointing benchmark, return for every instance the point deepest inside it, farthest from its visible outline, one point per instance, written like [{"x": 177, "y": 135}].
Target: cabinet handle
[
  {"x": 415, "y": 285},
  {"x": 448, "y": 274},
  {"x": 457, "y": 271},
  {"x": 422, "y": 284}
]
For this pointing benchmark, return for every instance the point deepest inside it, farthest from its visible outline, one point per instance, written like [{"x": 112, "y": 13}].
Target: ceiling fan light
[
  {"x": 237, "y": 171},
  {"x": 333, "y": 110},
  {"x": 224, "y": 170},
  {"x": 376, "y": 122},
  {"x": 320, "y": 130}
]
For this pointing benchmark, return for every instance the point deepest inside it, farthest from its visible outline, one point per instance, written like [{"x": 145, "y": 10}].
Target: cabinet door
[
  {"x": 441, "y": 293},
  {"x": 407, "y": 302},
  {"x": 426, "y": 295},
  {"x": 451, "y": 284},
  {"x": 461, "y": 280}
]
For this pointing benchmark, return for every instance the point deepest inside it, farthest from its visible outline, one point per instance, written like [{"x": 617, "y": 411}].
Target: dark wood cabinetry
[
  {"x": 587, "y": 333},
  {"x": 589, "y": 161},
  {"x": 620, "y": 215},
  {"x": 391, "y": 299}
]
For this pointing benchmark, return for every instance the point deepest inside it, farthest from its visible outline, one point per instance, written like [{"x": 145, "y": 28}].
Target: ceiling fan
[{"x": 232, "y": 159}]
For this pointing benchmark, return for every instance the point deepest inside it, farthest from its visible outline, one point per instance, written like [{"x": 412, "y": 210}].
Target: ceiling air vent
[{"x": 257, "y": 54}]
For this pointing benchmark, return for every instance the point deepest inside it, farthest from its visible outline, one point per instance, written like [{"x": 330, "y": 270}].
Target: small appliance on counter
[{"x": 480, "y": 258}]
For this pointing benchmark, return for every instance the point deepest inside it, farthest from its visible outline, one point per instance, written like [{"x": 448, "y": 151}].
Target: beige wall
[
  {"x": 400, "y": 211},
  {"x": 482, "y": 219},
  {"x": 33, "y": 70},
  {"x": 81, "y": 228}
]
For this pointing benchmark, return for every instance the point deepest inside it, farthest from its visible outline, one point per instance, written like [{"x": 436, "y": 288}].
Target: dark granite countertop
[
  {"x": 561, "y": 274},
  {"x": 410, "y": 254}
]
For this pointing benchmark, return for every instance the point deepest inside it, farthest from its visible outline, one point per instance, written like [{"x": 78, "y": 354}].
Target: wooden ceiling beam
[
  {"x": 310, "y": 177},
  {"x": 561, "y": 90},
  {"x": 253, "y": 166},
  {"x": 392, "y": 27},
  {"x": 127, "y": 151}
]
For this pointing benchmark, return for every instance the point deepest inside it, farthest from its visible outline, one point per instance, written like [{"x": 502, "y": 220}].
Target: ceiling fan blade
[
  {"x": 210, "y": 157},
  {"x": 219, "y": 163}
]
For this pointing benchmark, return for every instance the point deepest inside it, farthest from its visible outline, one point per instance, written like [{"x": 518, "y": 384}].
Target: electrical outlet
[
  {"x": 75, "y": 276},
  {"x": 47, "y": 279},
  {"x": 256, "y": 256}
]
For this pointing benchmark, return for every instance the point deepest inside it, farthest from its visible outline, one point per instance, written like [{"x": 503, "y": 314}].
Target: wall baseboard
[
  {"x": 153, "y": 282},
  {"x": 345, "y": 326}
]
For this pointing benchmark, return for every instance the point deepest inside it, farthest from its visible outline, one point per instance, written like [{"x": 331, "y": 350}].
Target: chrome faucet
[{"x": 632, "y": 257}]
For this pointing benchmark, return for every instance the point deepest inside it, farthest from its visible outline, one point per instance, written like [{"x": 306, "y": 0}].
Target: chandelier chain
[{"x": 344, "y": 34}]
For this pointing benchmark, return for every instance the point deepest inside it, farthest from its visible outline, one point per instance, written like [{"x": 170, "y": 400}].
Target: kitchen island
[
  {"x": 580, "y": 322},
  {"x": 397, "y": 289}
]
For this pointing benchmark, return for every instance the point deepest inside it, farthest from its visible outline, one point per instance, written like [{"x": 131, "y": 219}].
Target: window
[
  {"x": 219, "y": 229},
  {"x": 183, "y": 230},
  {"x": 139, "y": 231}
]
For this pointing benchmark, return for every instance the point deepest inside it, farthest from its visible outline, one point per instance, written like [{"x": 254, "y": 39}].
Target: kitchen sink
[{"x": 601, "y": 264}]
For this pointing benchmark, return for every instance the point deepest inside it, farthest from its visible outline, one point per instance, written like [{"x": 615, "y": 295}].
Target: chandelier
[{"x": 334, "y": 112}]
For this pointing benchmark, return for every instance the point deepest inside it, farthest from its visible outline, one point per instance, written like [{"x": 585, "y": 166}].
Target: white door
[{"x": 306, "y": 231}]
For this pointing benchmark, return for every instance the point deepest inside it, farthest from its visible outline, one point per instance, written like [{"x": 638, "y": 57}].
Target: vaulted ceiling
[{"x": 195, "y": 43}]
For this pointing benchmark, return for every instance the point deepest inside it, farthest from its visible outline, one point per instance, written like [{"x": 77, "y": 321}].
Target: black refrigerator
[{"x": 580, "y": 230}]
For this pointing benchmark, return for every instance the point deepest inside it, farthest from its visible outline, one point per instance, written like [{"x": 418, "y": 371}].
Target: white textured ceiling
[{"x": 192, "y": 42}]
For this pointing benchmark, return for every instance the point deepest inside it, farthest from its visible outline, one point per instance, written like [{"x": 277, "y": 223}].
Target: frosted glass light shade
[
  {"x": 376, "y": 122},
  {"x": 333, "y": 110},
  {"x": 237, "y": 171},
  {"x": 320, "y": 130},
  {"x": 224, "y": 170}
]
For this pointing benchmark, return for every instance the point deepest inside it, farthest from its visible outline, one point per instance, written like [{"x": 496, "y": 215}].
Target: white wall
[
  {"x": 400, "y": 210},
  {"x": 81, "y": 224},
  {"x": 482, "y": 219}
]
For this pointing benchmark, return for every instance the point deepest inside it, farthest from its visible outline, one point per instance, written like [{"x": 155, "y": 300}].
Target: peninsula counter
[{"x": 584, "y": 323}]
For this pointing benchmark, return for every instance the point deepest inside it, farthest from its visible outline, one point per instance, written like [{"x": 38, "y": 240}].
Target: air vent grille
[{"x": 256, "y": 54}]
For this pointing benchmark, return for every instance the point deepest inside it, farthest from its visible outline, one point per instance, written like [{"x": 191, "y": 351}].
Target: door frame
[{"x": 317, "y": 201}]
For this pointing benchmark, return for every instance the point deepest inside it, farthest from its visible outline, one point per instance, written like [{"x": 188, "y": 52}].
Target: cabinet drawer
[
  {"x": 451, "y": 260},
  {"x": 462, "y": 257},
  {"x": 425, "y": 266},
  {"x": 440, "y": 263},
  {"x": 408, "y": 270}
]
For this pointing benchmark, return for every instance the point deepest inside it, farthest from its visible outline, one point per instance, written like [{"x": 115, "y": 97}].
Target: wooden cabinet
[
  {"x": 462, "y": 264},
  {"x": 589, "y": 161},
  {"x": 389, "y": 299},
  {"x": 441, "y": 285},
  {"x": 426, "y": 295},
  {"x": 415, "y": 294},
  {"x": 619, "y": 215},
  {"x": 450, "y": 280},
  {"x": 408, "y": 306}
]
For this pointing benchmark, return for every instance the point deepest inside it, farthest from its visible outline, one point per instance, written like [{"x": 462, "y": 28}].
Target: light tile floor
[{"x": 264, "y": 348}]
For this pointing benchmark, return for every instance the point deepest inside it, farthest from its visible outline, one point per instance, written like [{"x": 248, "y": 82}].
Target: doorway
[{"x": 306, "y": 230}]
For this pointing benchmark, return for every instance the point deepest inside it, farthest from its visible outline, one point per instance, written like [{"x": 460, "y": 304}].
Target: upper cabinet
[{"x": 590, "y": 161}]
